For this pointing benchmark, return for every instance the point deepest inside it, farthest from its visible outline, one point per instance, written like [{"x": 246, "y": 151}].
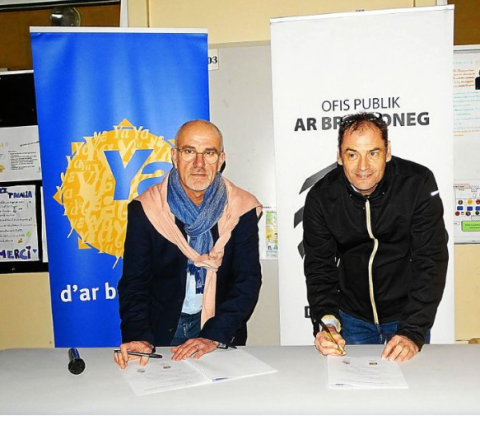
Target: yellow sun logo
[{"x": 104, "y": 173}]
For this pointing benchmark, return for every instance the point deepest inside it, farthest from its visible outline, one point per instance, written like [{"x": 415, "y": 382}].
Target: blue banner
[{"x": 109, "y": 103}]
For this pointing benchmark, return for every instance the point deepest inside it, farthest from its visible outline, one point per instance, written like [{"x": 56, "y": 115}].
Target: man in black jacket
[{"x": 375, "y": 246}]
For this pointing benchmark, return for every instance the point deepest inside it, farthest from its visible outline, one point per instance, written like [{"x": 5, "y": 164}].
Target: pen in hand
[
  {"x": 331, "y": 338},
  {"x": 136, "y": 353}
]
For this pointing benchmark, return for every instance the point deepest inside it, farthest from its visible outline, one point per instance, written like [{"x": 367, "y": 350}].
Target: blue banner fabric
[{"x": 109, "y": 104}]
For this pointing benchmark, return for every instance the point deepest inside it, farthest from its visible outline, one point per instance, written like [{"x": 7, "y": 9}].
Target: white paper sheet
[
  {"x": 230, "y": 364},
  {"x": 165, "y": 375},
  {"x": 364, "y": 372},
  {"x": 19, "y": 154},
  {"x": 162, "y": 375}
]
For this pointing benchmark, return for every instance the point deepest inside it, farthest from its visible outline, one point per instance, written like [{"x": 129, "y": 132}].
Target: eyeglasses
[
  {"x": 371, "y": 116},
  {"x": 210, "y": 156}
]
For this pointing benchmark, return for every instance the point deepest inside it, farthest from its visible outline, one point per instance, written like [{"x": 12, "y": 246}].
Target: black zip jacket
[{"x": 407, "y": 245}]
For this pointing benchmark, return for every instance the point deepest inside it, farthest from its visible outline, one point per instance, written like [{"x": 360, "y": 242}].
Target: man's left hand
[
  {"x": 399, "y": 349},
  {"x": 195, "y": 347}
]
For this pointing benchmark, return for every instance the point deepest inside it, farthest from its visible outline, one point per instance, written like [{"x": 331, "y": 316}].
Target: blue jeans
[
  {"x": 356, "y": 331},
  {"x": 188, "y": 327}
]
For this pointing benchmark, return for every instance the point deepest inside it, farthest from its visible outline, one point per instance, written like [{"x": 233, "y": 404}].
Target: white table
[{"x": 442, "y": 379}]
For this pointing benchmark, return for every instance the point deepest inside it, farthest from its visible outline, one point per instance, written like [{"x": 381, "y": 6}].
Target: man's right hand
[
  {"x": 123, "y": 358},
  {"x": 327, "y": 347}
]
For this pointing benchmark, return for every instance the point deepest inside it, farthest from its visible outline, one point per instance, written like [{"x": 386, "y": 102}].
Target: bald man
[{"x": 191, "y": 270}]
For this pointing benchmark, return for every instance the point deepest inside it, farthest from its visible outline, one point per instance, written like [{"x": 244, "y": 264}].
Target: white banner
[{"x": 397, "y": 62}]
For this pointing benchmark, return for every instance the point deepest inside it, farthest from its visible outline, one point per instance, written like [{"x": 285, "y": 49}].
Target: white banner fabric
[{"x": 396, "y": 62}]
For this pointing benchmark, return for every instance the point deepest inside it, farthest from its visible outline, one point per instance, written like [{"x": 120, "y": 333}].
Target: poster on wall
[
  {"x": 18, "y": 224},
  {"x": 21, "y": 177},
  {"x": 466, "y": 211},
  {"x": 394, "y": 62},
  {"x": 109, "y": 104},
  {"x": 466, "y": 129},
  {"x": 19, "y": 154},
  {"x": 268, "y": 234}
]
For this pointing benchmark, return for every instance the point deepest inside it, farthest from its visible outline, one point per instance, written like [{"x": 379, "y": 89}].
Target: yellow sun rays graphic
[{"x": 87, "y": 190}]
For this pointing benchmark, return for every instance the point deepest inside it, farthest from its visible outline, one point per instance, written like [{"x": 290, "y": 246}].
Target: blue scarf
[{"x": 198, "y": 219}]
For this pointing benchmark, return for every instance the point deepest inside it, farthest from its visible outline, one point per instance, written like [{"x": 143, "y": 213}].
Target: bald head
[
  {"x": 193, "y": 140},
  {"x": 197, "y": 125}
]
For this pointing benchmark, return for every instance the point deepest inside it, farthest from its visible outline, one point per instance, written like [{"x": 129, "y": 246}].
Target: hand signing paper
[{"x": 327, "y": 347}]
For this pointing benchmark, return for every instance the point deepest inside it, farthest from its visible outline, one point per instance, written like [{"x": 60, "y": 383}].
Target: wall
[
  {"x": 25, "y": 310},
  {"x": 467, "y": 292},
  {"x": 467, "y": 21},
  {"x": 15, "y": 52},
  {"x": 230, "y": 21},
  {"x": 241, "y": 105}
]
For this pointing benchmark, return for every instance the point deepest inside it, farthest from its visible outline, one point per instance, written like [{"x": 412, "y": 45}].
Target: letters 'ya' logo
[{"x": 104, "y": 173}]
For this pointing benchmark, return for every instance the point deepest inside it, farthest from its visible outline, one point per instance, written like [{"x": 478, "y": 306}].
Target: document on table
[
  {"x": 166, "y": 375},
  {"x": 364, "y": 372}
]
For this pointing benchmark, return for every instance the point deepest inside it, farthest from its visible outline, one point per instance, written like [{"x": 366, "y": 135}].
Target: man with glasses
[
  {"x": 191, "y": 270},
  {"x": 375, "y": 246}
]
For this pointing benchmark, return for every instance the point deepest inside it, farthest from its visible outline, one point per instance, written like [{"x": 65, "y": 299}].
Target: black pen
[
  {"x": 136, "y": 353},
  {"x": 330, "y": 337}
]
